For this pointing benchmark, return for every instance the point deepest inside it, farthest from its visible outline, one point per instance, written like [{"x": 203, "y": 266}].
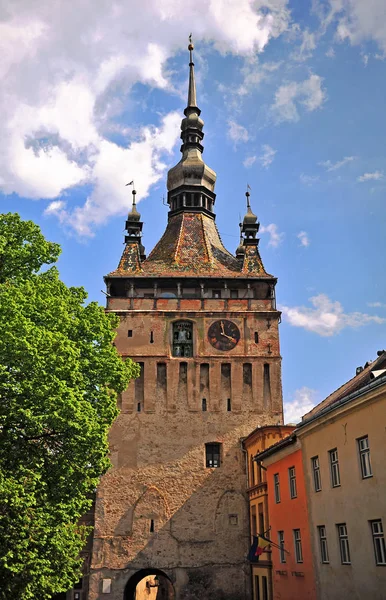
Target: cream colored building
[{"x": 343, "y": 443}]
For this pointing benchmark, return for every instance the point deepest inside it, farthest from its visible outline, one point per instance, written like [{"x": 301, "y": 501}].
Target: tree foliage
[{"x": 59, "y": 379}]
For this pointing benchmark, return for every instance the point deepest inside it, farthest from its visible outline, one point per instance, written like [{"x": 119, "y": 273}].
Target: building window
[
  {"x": 229, "y": 405},
  {"x": 298, "y": 546},
  {"x": 253, "y": 521},
  {"x": 334, "y": 468},
  {"x": 204, "y": 405},
  {"x": 216, "y": 293},
  {"x": 256, "y": 337},
  {"x": 280, "y": 535},
  {"x": 292, "y": 482},
  {"x": 252, "y": 471},
  {"x": 212, "y": 455},
  {"x": 316, "y": 473},
  {"x": 364, "y": 457},
  {"x": 264, "y": 582},
  {"x": 379, "y": 542},
  {"x": 234, "y": 293},
  {"x": 323, "y": 544},
  {"x": 257, "y": 588},
  {"x": 343, "y": 544},
  {"x": 151, "y": 525},
  {"x": 276, "y": 485},
  {"x": 183, "y": 339},
  {"x": 130, "y": 333}
]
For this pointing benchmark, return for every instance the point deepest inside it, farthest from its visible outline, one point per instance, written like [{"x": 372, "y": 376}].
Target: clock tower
[{"x": 171, "y": 516}]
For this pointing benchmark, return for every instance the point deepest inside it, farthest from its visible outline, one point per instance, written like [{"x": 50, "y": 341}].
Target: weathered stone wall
[{"x": 159, "y": 478}]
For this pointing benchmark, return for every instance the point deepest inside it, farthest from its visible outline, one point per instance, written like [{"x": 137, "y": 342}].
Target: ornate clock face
[{"x": 223, "y": 335}]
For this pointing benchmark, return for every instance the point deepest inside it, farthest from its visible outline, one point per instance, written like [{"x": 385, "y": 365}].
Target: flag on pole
[
  {"x": 259, "y": 545},
  {"x": 249, "y": 187},
  {"x": 130, "y": 183}
]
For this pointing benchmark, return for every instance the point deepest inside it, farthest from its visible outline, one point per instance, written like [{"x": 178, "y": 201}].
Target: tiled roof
[
  {"x": 353, "y": 385},
  {"x": 191, "y": 246}
]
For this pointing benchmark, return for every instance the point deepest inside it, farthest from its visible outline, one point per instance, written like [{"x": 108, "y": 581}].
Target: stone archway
[{"x": 149, "y": 584}]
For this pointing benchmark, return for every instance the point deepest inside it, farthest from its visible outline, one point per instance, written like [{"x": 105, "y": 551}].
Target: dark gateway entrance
[{"x": 149, "y": 584}]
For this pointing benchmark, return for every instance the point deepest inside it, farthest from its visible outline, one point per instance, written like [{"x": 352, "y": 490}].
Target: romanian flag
[{"x": 258, "y": 547}]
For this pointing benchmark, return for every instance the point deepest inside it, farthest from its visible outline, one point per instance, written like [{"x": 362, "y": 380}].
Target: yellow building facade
[
  {"x": 343, "y": 443},
  {"x": 257, "y": 441}
]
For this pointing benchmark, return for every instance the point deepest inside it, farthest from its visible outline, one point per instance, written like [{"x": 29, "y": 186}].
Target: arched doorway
[{"x": 149, "y": 584}]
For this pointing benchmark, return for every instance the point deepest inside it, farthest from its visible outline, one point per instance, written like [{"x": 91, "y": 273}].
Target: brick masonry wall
[{"x": 200, "y": 515}]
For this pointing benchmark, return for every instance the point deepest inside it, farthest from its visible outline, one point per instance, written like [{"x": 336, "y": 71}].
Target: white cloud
[
  {"x": 249, "y": 161},
  {"x": 376, "y": 304},
  {"x": 267, "y": 156},
  {"x": 330, "y": 166},
  {"x": 304, "y": 399},
  {"x": 306, "y": 48},
  {"x": 375, "y": 176},
  {"x": 66, "y": 73},
  {"x": 326, "y": 317},
  {"x": 304, "y": 239},
  {"x": 275, "y": 237},
  {"x": 330, "y": 53},
  {"x": 55, "y": 207},
  {"x": 254, "y": 73},
  {"x": 309, "y": 179},
  {"x": 237, "y": 133},
  {"x": 360, "y": 21},
  {"x": 308, "y": 93}
]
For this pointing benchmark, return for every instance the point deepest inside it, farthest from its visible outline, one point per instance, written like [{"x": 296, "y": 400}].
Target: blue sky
[{"x": 293, "y": 99}]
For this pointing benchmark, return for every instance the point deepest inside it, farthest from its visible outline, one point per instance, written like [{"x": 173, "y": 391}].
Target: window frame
[
  {"x": 334, "y": 467},
  {"x": 282, "y": 556},
  {"x": 292, "y": 483},
  {"x": 344, "y": 546},
  {"x": 276, "y": 487},
  {"x": 323, "y": 545},
  {"x": 298, "y": 545},
  {"x": 380, "y": 548},
  {"x": 185, "y": 347},
  {"x": 210, "y": 455},
  {"x": 315, "y": 465},
  {"x": 364, "y": 455}
]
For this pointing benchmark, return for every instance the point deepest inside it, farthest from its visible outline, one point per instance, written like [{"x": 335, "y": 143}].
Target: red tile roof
[{"x": 191, "y": 246}]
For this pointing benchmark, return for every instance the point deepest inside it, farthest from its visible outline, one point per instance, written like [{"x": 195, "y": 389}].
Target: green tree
[{"x": 60, "y": 375}]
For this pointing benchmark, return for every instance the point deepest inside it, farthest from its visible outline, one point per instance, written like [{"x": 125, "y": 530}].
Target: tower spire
[
  {"x": 192, "y": 98},
  {"x": 191, "y": 182},
  {"x": 250, "y": 223}
]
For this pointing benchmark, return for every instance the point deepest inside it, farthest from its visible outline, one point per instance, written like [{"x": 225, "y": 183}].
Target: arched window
[{"x": 183, "y": 339}]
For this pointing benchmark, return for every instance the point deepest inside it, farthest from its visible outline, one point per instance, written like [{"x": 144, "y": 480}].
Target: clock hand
[{"x": 222, "y": 327}]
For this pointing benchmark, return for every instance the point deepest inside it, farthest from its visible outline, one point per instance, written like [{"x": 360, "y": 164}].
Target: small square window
[
  {"x": 233, "y": 520},
  {"x": 216, "y": 293},
  {"x": 130, "y": 333},
  {"x": 234, "y": 293},
  {"x": 212, "y": 455}
]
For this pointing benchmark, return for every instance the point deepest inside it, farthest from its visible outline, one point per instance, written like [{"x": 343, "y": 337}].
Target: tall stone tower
[{"x": 171, "y": 514}]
